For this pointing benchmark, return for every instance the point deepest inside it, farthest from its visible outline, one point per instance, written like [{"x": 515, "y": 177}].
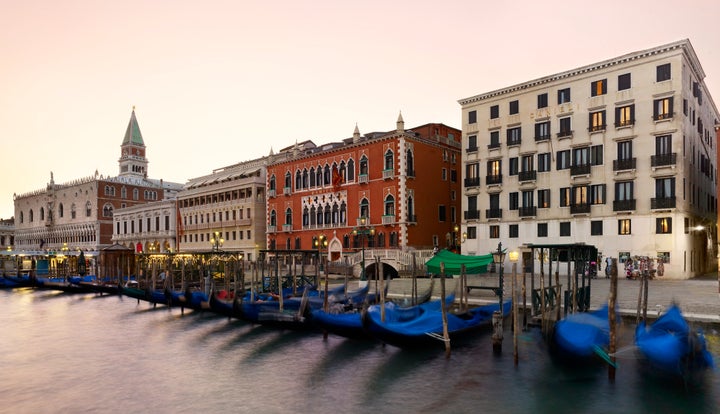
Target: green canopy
[{"x": 453, "y": 263}]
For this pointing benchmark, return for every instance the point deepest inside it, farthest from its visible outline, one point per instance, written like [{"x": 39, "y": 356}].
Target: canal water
[{"x": 63, "y": 353}]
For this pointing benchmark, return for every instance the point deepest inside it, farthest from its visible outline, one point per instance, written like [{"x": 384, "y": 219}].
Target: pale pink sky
[{"x": 218, "y": 82}]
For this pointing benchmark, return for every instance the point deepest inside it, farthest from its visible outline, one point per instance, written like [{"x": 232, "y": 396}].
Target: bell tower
[{"x": 132, "y": 151}]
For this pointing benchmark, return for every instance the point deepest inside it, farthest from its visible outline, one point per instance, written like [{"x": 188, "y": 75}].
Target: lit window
[
  {"x": 598, "y": 88},
  {"x": 663, "y": 225},
  {"x": 624, "y": 227}
]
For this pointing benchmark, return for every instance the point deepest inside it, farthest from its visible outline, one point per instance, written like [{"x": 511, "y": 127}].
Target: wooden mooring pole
[
  {"x": 612, "y": 347},
  {"x": 515, "y": 313},
  {"x": 443, "y": 309}
]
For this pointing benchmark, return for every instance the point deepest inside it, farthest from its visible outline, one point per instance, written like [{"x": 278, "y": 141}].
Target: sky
[{"x": 215, "y": 83}]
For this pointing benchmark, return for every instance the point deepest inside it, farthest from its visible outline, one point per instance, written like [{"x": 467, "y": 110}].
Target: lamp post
[
  {"x": 216, "y": 241},
  {"x": 320, "y": 242},
  {"x": 363, "y": 230},
  {"x": 497, "y": 337}
]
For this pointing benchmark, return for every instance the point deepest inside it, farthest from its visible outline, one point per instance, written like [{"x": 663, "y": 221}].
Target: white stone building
[{"x": 618, "y": 154}]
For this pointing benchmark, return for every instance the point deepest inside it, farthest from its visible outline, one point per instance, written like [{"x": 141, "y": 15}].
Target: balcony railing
[
  {"x": 624, "y": 205},
  {"x": 580, "y": 208},
  {"x": 493, "y": 145},
  {"x": 388, "y": 219},
  {"x": 388, "y": 174},
  {"x": 542, "y": 137},
  {"x": 493, "y": 179},
  {"x": 471, "y": 214},
  {"x": 271, "y": 193},
  {"x": 287, "y": 227},
  {"x": 473, "y": 148},
  {"x": 527, "y": 211},
  {"x": 472, "y": 182},
  {"x": 663, "y": 159},
  {"x": 624, "y": 164},
  {"x": 581, "y": 169},
  {"x": 565, "y": 134},
  {"x": 514, "y": 141},
  {"x": 363, "y": 178},
  {"x": 664, "y": 202},
  {"x": 662, "y": 117},
  {"x": 597, "y": 128},
  {"x": 493, "y": 213},
  {"x": 527, "y": 175},
  {"x": 271, "y": 229},
  {"x": 286, "y": 190},
  {"x": 625, "y": 123}
]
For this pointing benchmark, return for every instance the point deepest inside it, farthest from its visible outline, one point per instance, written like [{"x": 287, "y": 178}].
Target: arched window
[
  {"x": 364, "y": 208},
  {"x": 272, "y": 182},
  {"x": 88, "y": 209},
  {"x": 298, "y": 180},
  {"x": 32, "y": 216},
  {"x": 288, "y": 180},
  {"x": 363, "y": 165},
  {"x": 61, "y": 210},
  {"x": 305, "y": 179},
  {"x": 42, "y": 213},
  {"x": 305, "y": 217},
  {"x": 73, "y": 211},
  {"x": 381, "y": 239},
  {"x": 410, "y": 164},
  {"x": 288, "y": 216},
  {"x": 393, "y": 239},
  {"x": 107, "y": 210},
  {"x": 273, "y": 218},
  {"x": 328, "y": 215},
  {"x": 136, "y": 194},
  {"x": 318, "y": 176},
  {"x": 312, "y": 177},
  {"x": 297, "y": 243},
  {"x": 327, "y": 179},
  {"x": 319, "y": 216},
  {"x": 22, "y": 217},
  {"x": 346, "y": 241},
  {"x": 389, "y": 160},
  {"x": 350, "y": 172},
  {"x": 389, "y": 205},
  {"x": 411, "y": 209},
  {"x": 335, "y": 214},
  {"x": 343, "y": 213},
  {"x": 287, "y": 244},
  {"x": 313, "y": 218},
  {"x": 123, "y": 192}
]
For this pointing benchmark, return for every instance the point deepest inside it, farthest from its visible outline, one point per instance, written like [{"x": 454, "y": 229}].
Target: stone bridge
[{"x": 396, "y": 263}]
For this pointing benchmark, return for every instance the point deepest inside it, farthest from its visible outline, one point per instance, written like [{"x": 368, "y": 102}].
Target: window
[
  {"x": 565, "y": 127},
  {"x": 581, "y": 156},
  {"x": 543, "y": 162},
  {"x": 663, "y": 108},
  {"x": 513, "y": 164},
  {"x": 494, "y": 139},
  {"x": 526, "y": 164},
  {"x": 625, "y": 115},
  {"x": 663, "y": 225},
  {"x": 596, "y": 228},
  {"x": 472, "y": 143},
  {"x": 494, "y": 168},
  {"x": 597, "y": 194},
  {"x": 579, "y": 195},
  {"x": 596, "y": 155},
  {"x": 565, "y": 229},
  {"x": 528, "y": 199},
  {"x": 597, "y": 121},
  {"x": 441, "y": 213},
  {"x": 543, "y": 198},
  {"x": 542, "y": 230},
  {"x": 542, "y": 130},
  {"x": 494, "y": 111},
  {"x": 624, "y": 150},
  {"x": 513, "y": 201},
  {"x": 624, "y": 191},
  {"x": 495, "y": 232},
  {"x": 514, "y": 135},
  {"x": 563, "y": 160},
  {"x": 624, "y": 81},
  {"x": 663, "y": 145},
  {"x": 514, "y": 107},
  {"x": 363, "y": 167},
  {"x": 565, "y": 197},
  {"x": 472, "y": 117},
  {"x": 563, "y": 96},
  {"x": 389, "y": 160},
  {"x": 663, "y": 72},
  {"x": 624, "y": 227},
  {"x": 472, "y": 232},
  {"x": 665, "y": 187},
  {"x": 542, "y": 100},
  {"x": 513, "y": 232},
  {"x": 598, "y": 87}
]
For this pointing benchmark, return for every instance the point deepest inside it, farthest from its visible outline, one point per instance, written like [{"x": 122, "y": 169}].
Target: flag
[
  {"x": 179, "y": 231},
  {"x": 337, "y": 178}
]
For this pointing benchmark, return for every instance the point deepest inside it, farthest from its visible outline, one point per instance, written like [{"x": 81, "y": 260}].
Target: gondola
[{"x": 581, "y": 337}]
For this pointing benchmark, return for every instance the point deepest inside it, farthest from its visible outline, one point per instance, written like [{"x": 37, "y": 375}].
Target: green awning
[{"x": 453, "y": 263}]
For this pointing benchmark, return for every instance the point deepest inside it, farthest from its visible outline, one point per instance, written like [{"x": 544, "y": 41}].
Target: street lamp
[
  {"x": 498, "y": 258},
  {"x": 363, "y": 230},
  {"x": 320, "y": 242},
  {"x": 217, "y": 241}
]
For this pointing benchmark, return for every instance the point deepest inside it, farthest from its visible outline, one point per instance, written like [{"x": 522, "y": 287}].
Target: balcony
[
  {"x": 493, "y": 179},
  {"x": 624, "y": 164},
  {"x": 527, "y": 175},
  {"x": 472, "y": 182},
  {"x": 662, "y": 202},
  {"x": 493, "y": 145},
  {"x": 513, "y": 141},
  {"x": 663, "y": 159},
  {"x": 271, "y": 192},
  {"x": 271, "y": 229},
  {"x": 493, "y": 213},
  {"x": 388, "y": 219},
  {"x": 286, "y": 190},
  {"x": 626, "y": 123},
  {"x": 471, "y": 214},
  {"x": 388, "y": 174},
  {"x": 580, "y": 169},
  {"x": 287, "y": 227},
  {"x": 539, "y": 138},
  {"x": 596, "y": 128},
  {"x": 663, "y": 117},
  {"x": 473, "y": 148},
  {"x": 583, "y": 208},
  {"x": 624, "y": 205},
  {"x": 565, "y": 134},
  {"x": 527, "y": 211},
  {"x": 363, "y": 178}
]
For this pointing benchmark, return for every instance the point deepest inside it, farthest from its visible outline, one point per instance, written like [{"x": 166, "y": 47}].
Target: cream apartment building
[{"x": 619, "y": 154}]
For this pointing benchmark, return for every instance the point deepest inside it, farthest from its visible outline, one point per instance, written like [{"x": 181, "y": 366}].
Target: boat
[
  {"x": 425, "y": 329},
  {"x": 670, "y": 346},
  {"x": 132, "y": 289},
  {"x": 292, "y": 315},
  {"x": 580, "y": 336},
  {"x": 347, "y": 321}
]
